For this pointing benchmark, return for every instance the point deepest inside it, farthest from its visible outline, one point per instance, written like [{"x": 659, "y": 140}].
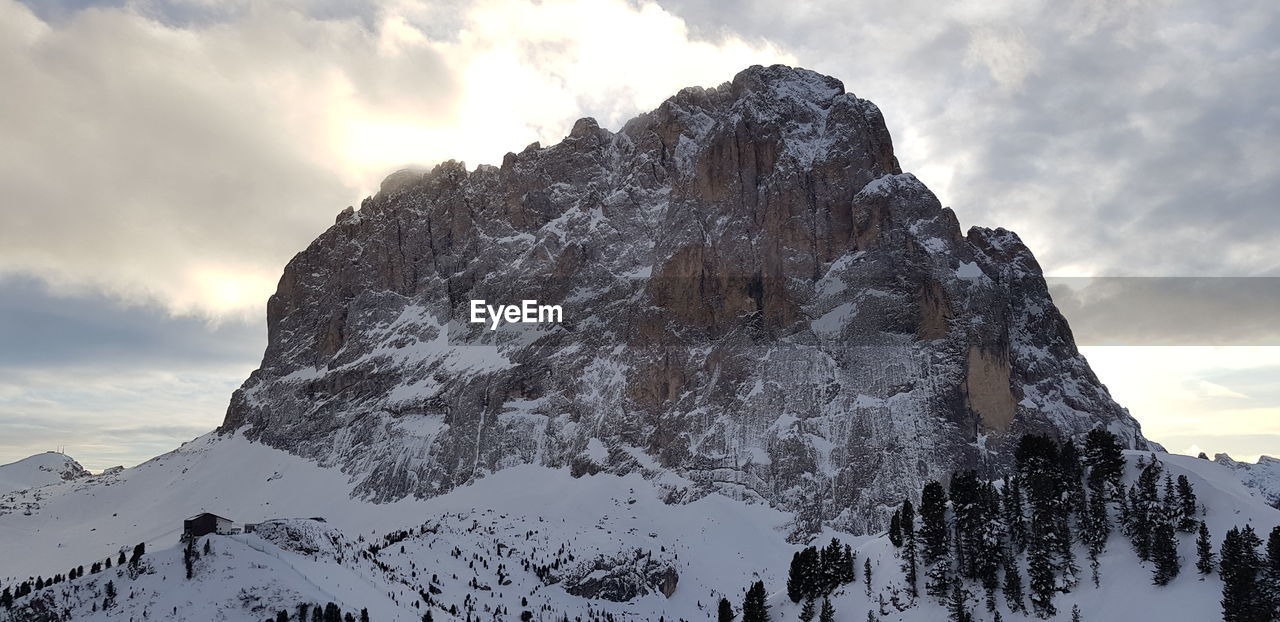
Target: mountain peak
[
  {"x": 40, "y": 469},
  {"x": 782, "y": 81},
  {"x": 756, "y": 298}
]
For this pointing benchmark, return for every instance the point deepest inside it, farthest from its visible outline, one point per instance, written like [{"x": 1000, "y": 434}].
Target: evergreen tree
[
  {"x": 849, "y": 566},
  {"x": 1066, "y": 554},
  {"x": 796, "y": 587},
  {"x": 933, "y": 537},
  {"x": 282, "y": 616},
  {"x": 966, "y": 507},
  {"x": 1146, "y": 508},
  {"x": 831, "y": 567},
  {"x": 1164, "y": 553},
  {"x": 189, "y": 557},
  {"x": 958, "y": 604},
  {"x": 1075, "y": 613},
  {"x": 301, "y": 614},
  {"x": 866, "y": 574},
  {"x": 1095, "y": 530},
  {"x": 1072, "y": 473},
  {"x": 1040, "y": 569},
  {"x": 1011, "y": 506},
  {"x": 909, "y": 568},
  {"x": 1172, "y": 509},
  {"x": 828, "y": 611},
  {"x": 1271, "y": 575},
  {"x": 1105, "y": 459},
  {"x": 808, "y": 611},
  {"x": 1187, "y": 505},
  {"x": 988, "y": 543},
  {"x": 1013, "y": 586},
  {"x": 754, "y": 607},
  {"x": 871, "y": 616},
  {"x": 895, "y": 529},
  {"x": 724, "y": 612},
  {"x": 1239, "y": 566},
  {"x": 933, "y": 522},
  {"x": 1204, "y": 550}
]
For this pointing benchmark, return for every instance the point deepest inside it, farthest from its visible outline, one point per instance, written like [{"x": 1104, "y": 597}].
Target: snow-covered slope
[
  {"x": 525, "y": 538},
  {"x": 50, "y": 467},
  {"x": 541, "y": 513},
  {"x": 1126, "y": 591}
]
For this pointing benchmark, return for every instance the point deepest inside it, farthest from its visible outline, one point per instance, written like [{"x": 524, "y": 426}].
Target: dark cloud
[
  {"x": 109, "y": 382},
  {"x": 40, "y": 329},
  {"x": 1171, "y": 311},
  {"x": 1119, "y": 138}
]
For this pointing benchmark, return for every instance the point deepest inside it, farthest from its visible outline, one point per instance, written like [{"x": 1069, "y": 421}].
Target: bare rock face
[
  {"x": 622, "y": 577},
  {"x": 756, "y": 299}
]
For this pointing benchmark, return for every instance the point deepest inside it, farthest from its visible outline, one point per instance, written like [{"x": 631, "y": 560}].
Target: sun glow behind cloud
[
  {"x": 227, "y": 144},
  {"x": 526, "y": 71}
]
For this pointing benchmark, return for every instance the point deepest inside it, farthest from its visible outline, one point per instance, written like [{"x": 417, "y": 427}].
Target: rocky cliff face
[{"x": 757, "y": 301}]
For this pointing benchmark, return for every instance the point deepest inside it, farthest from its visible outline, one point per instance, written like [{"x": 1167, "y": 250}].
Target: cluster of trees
[
  {"x": 11, "y": 593},
  {"x": 974, "y": 532},
  {"x": 330, "y": 612},
  {"x": 1250, "y": 581},
  {"x": 1151, "y": 519},
  {"x": 816, "y": 573}
]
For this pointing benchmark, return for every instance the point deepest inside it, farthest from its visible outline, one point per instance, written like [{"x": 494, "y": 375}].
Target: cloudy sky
[{"x": 161, "y": 160}]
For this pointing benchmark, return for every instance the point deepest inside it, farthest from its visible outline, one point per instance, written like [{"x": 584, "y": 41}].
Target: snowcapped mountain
[
  {"x": 755, "y": 297},
  {"x": 1262, "y": 476},
  {"x": 43, "y": 469},
  {"x": 772, "y": 336}
]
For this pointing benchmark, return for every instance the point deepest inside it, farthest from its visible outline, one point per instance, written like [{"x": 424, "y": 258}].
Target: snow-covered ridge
[
  {"x": 43, "y": 469},
  {"x": 1262, "y": 477}
]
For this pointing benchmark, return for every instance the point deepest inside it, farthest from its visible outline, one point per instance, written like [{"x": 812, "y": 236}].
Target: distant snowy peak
[
  {"x": 43, "y": 469},
  {"x": 1262, "y": 477}
]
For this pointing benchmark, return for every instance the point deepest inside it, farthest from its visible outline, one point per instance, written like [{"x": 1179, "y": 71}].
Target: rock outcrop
[{"x": 756, "y": 298}]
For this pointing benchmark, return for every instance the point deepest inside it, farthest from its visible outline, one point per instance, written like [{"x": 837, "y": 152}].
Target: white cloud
[{"x": 184, "y": 163}]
